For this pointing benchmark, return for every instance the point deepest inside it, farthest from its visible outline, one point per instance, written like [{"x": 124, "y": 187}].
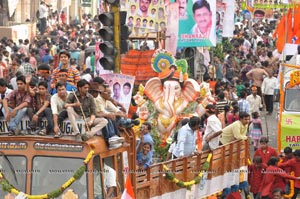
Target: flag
[{"x": 128, "y": 191}]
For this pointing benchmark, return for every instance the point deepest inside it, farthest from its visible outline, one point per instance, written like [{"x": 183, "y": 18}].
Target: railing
[{"x": 226, "y": 158}]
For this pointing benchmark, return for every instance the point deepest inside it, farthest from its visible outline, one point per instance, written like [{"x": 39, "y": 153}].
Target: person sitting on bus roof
[
  {"x": 106, "y": 109},
  {"x": 40, "y": 108},
  {"x": 73, "y": 73},
  {"x": 237, "y": 130},
  {"x": 57, "y": 106},
  {"x": 63, "y": 77},
  {"x": 85, "y": 108},
  {"x": 101, "y": 81},
  {"x": 15, "y": 106},
  {"x": 4, "y": 91}
]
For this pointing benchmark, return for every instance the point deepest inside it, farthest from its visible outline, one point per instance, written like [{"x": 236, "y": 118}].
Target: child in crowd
[
  {"x": 255, "y": 129},
  {"x": 143, "y": 157},
  {"x": 255, "y": 176}
]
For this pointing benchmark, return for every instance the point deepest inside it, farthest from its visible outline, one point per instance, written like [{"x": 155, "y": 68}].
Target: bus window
[
  {"x": 15, "y": 170},
  {"x": 292, "y": 100},
  {"x": 110, "y": 177},
  {"x": 53, "y": 172}
]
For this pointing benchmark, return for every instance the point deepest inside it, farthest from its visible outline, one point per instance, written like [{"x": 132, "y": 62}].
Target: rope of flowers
[
  {"x": 7, "y": 187},
  {"x": 170, "y": 176}
]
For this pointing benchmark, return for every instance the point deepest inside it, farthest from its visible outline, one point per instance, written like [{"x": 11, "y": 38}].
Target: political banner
[
  {"x": 228, "y": 23},
  {"x": 144, "y": 16},
  {"x": 121, "y": 87},
  {"x": 172, "y": 27},
  {"x": 197, "y": 23},
  {"x": 221, "y": 8}
]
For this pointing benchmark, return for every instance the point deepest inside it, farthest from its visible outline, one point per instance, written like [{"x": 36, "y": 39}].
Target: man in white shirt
[
  {"x": 57, "y": 106},
  {"x": 267, "y": 89},
  {"x": 214, "y": 126},
  {"x": 186, "y": 143},
  {"x": 43, "y": 17},
  {"x": 4, "y": 91},
  {"x": 254, "y": 100}
]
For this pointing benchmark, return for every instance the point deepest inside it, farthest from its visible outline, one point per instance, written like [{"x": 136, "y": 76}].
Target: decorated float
[{"x": 36, "y": 167}]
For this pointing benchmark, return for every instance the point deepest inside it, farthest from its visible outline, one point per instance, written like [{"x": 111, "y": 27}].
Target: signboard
[
  {"x": 290, "y": 127},
  {"x": 86, "y": 3},
  {"x": 197, "y": 23},
  {"x": 58, "y": 147},
  {"x": 289, "y": 124},
  {"x": 13, "y": 145},
  {"x": 66, "y": 128}
]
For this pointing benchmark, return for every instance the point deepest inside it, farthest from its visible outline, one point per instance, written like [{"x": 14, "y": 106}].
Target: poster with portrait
[
  {"x": 144, "y": 16},
  {"x": 197, "y": 23},
  {"x": 172, "y": 27},
  {"x": 221, "y": 8},
  {"x": 121, "y": 87},
  {"x": 228, "y": 22}
]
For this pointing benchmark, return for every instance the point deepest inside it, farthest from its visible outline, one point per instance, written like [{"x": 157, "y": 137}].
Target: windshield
[
  {"x": 292, "y": 100},
  {"x": 55, "y": 171},
  {"x": 14, "y": 170}
]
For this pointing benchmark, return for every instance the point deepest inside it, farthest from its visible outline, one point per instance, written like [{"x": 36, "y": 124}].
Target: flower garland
[
  {"x": 196, "y": 180},
  {"x": 292, "y": 186},
  {"x": 6, "y": 186}
]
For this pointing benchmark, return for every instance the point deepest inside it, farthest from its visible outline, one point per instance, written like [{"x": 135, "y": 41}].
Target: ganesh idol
[{"x": 171, "y": 92}]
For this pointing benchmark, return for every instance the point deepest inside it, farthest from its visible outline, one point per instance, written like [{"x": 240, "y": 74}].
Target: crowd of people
[{"x": 52, "y": 77}]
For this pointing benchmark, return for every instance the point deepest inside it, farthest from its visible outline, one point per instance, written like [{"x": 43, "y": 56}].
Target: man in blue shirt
[
  {"x": 47, "y": 57},
  {"x": 62, "y": 77},
  {"x": 243, "y": 104}
]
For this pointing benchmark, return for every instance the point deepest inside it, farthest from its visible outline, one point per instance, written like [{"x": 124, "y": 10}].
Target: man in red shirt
[
  {"x": 255, "y": 175},
  {"x": 294, "y": 163},
  {"x": 265, "y": 151},
  {"x": 270, "y": 179}
]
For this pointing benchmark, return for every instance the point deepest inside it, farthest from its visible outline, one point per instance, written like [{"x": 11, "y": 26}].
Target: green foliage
[
  {"x": 191, "y": 108},
  {"x": 160, "y": 150},
  {"x": 218, "y": 50}
]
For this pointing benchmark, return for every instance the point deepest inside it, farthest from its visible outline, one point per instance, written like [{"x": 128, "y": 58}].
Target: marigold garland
[
  {"x": 292, "y": 186},
  {"x": 170, "y": 176},
  {"x": 6, "y": 186}
]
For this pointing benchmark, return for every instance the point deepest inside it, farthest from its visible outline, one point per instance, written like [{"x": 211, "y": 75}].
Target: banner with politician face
[
  {"x": 144, "y": 16},
  {"x": 197, "y": 23}
]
